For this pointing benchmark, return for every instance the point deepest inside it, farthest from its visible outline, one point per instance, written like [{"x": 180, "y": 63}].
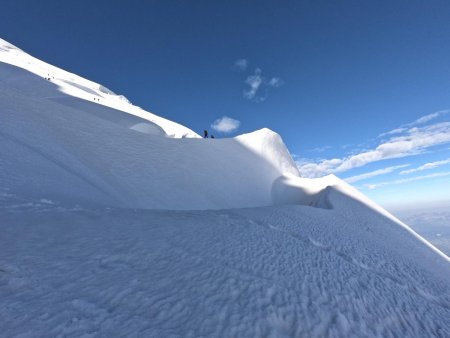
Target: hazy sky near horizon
[{"x": 358, "y": 89}]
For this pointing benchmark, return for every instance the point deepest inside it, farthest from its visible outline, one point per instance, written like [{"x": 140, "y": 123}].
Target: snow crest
[
  {"x": 76, "y": 141},
  {"x": 69, "y": 84}
]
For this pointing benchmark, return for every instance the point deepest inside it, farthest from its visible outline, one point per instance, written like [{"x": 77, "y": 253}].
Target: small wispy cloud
[
  {"x": 429, "y": 117},
  {"x": 408, "y": 141},
  {"x": 422, "y": 120},
  {"x": 276, "y": 82},
  {"x": 393, "y": 132},
  {"x": 406, "y": 180},
  {"x": 258, "y": 84},
  {"x": 320, "y": 149},
  {"x": 374, "y": 173},
  {"x": 225, "y": 124},
  {"x": 426, "y": 166},
  {"x": 254, "y": 81},
  {"x": 240, "y": 65}
]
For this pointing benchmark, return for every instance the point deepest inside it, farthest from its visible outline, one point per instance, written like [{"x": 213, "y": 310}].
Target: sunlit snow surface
[
  {"x": 84, "y": 252},
  {"x": 74, "y": 86}
]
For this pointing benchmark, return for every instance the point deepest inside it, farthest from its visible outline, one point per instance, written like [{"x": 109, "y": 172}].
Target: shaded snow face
[
  {"x": 63, "y": 138},
  {"x": 71, "y": 150}
]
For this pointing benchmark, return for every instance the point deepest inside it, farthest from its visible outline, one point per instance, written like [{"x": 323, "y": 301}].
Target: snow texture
[
  {"x": 117, "y": 222},
  {"x": 286, "y": 271}
]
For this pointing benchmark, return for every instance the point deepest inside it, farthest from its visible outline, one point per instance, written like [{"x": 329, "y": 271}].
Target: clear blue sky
[{"x": 331, "y": 77}]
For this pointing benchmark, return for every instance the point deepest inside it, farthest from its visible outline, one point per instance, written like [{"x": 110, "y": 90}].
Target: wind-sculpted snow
[
  {"x": 287, "y": 271},
  {"x": 84, "y": 252},
  {"x": 76, "y": 151},
  {"x": 58, "y": 141}
]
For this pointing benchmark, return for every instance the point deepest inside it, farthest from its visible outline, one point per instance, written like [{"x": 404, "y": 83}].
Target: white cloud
[
  {"x": 225, "y": 124},
  {"x": 259, "y": 86},
  {"x": 429, "y": 117},
  {"x": 241, "y": 65},
  {"x": 422, "y": 120},
  {"x": 393, "y": 132},
  {"x": 406, "y": 180},
  {"x": 276, "y": 82},
  {"x": 374, "y": 173},
  {"x": 412, "y": 141},
  {"x": 426, "y": 166},
  {"x": 320, "y": 149},
  {"x": 254, "y": 81}
]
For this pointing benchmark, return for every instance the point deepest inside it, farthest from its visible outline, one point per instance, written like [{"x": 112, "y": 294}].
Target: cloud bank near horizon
[{"x": 408, "y": 140}]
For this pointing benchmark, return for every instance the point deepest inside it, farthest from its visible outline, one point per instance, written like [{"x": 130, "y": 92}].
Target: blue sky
[{"x": 356, "y": 88}]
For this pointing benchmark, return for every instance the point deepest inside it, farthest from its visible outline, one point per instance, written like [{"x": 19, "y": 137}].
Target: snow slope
[
  {"x": 85, "y": 253},
  {"x": 78, "y": 151},
  {"x": 285, "y": 271},
  {"x": 74, "y": 86},
  {"x": 58, "y": 142}
]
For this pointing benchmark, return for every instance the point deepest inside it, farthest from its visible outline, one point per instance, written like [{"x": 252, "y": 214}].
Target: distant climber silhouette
[{"x": 205, "y": 134}]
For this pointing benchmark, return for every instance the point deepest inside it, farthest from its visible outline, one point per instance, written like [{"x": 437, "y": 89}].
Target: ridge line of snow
[{"x": 73, "y": 84}]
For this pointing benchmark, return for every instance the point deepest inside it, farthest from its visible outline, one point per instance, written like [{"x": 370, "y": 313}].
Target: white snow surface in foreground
[
  {"x": 285, "y": 271},
  {"x": 84, "y": 252}
]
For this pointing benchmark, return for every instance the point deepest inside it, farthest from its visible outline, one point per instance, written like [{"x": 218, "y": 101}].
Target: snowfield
[{"x": 117, "y": 222}]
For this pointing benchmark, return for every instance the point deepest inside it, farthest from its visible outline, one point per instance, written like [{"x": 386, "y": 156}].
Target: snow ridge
[
  {"x": 79, "y": 87},
  {"x": 62, "y": 133}
]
